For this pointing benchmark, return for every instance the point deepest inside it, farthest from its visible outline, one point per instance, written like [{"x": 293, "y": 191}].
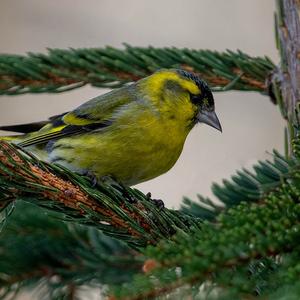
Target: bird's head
[{"x": 186, "y": 93}]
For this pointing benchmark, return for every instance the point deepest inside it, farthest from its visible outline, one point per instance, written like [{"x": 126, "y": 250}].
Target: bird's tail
[{"x": 24, "y": 130}]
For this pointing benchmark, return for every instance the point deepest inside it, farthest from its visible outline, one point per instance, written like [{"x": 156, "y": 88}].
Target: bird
[{"x": 133, "y": 134}]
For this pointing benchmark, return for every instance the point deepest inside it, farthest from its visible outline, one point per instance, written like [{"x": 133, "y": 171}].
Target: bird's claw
[
  {"x": 91, "y": 177},
  {"x": 111, "y": 180},
  {"x": 157, "y": 202}
]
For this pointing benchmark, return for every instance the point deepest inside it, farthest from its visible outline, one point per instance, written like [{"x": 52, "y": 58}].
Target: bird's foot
[
  {"x": 131, "y": 199},
  {"x": 157, "y": 202},
  {"x": 90, "y": 176},
  {"x": 112, "y": 181}
]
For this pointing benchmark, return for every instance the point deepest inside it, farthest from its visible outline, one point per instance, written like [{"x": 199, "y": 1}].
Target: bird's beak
[{"x": 210, "y": 118}]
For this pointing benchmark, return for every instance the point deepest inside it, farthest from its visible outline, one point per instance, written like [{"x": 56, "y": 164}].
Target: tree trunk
[{"x": 288, "y": 42}]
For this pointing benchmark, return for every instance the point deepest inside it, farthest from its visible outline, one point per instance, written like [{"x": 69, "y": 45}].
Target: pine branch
[
  {"x": 244, "y": 186},
  {"x": 289, "y": 169},
  {"x": 217, "y": 256},
  {"x": 269, "y": 176},
  {"x": 62, "y": 70},
  {"x": 118, "y": 211},
  {"x": 29, "y": 179}
]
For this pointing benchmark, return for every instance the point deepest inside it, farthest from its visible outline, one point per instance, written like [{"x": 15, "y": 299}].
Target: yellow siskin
[{"x": 133, "y": 133}]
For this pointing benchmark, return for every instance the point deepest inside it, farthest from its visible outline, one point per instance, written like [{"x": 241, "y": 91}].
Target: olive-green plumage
[{"x": 134, "y": 133}]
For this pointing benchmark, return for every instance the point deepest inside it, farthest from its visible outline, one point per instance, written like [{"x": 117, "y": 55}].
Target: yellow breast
[{"x": 134, "y": 149}]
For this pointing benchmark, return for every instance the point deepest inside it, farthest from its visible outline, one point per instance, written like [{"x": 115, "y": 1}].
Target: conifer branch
[
  {"x": 62, "y": 70},
  {"x": 219, "y": 254},
  {"x": 118, "y": 211},
  {"x": 18, "y": 170},
  {"x": 269, "y": 176},
  {"x": 245, "y": 185}
]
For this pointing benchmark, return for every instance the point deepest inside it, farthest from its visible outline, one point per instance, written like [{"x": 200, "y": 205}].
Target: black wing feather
[
  {"x": 24, "y": 128},
  {"x": 69, "y": 130},
  {"x": 35, "y": 126}
]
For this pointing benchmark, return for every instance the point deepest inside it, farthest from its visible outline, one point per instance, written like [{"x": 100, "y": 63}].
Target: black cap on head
[{"x": 205, "y": 99}]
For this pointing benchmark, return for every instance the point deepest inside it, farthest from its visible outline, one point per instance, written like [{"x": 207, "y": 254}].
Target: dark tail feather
[
  {"x": 35, "y": 126},
  {"x": 24, "y": 128}
]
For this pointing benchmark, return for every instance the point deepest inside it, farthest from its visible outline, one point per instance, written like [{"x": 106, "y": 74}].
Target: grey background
[{"x": 251, "y": 123}]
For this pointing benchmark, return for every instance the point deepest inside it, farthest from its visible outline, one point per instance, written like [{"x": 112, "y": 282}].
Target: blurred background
[{"x": 251, "y": 123}]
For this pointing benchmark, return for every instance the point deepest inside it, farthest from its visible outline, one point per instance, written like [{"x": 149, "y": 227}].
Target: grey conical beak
[{"x": 210, "y": 118}]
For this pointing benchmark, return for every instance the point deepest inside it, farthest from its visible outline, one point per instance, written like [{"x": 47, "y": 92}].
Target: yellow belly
[{"x": 129, "y": 153}]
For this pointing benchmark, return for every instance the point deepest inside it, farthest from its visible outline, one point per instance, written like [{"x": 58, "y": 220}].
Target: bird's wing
[{"x": 90, "y": 116}]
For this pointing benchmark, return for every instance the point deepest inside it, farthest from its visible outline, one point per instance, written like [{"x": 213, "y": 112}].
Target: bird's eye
[
  {"x": 199, "y": 101},
  {"x": 195, "y": 99}
]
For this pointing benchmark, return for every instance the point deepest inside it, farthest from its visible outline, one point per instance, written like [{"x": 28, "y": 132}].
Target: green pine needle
[{"x": 62, "y": 70}]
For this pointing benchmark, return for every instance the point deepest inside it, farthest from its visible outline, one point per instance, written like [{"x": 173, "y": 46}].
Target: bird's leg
[
  {"x": 157, "y": 202},
  {"x": 130, "y": 198},
  {"x": 111, "y": 180},
  {"x": 91, "y": 176}
]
